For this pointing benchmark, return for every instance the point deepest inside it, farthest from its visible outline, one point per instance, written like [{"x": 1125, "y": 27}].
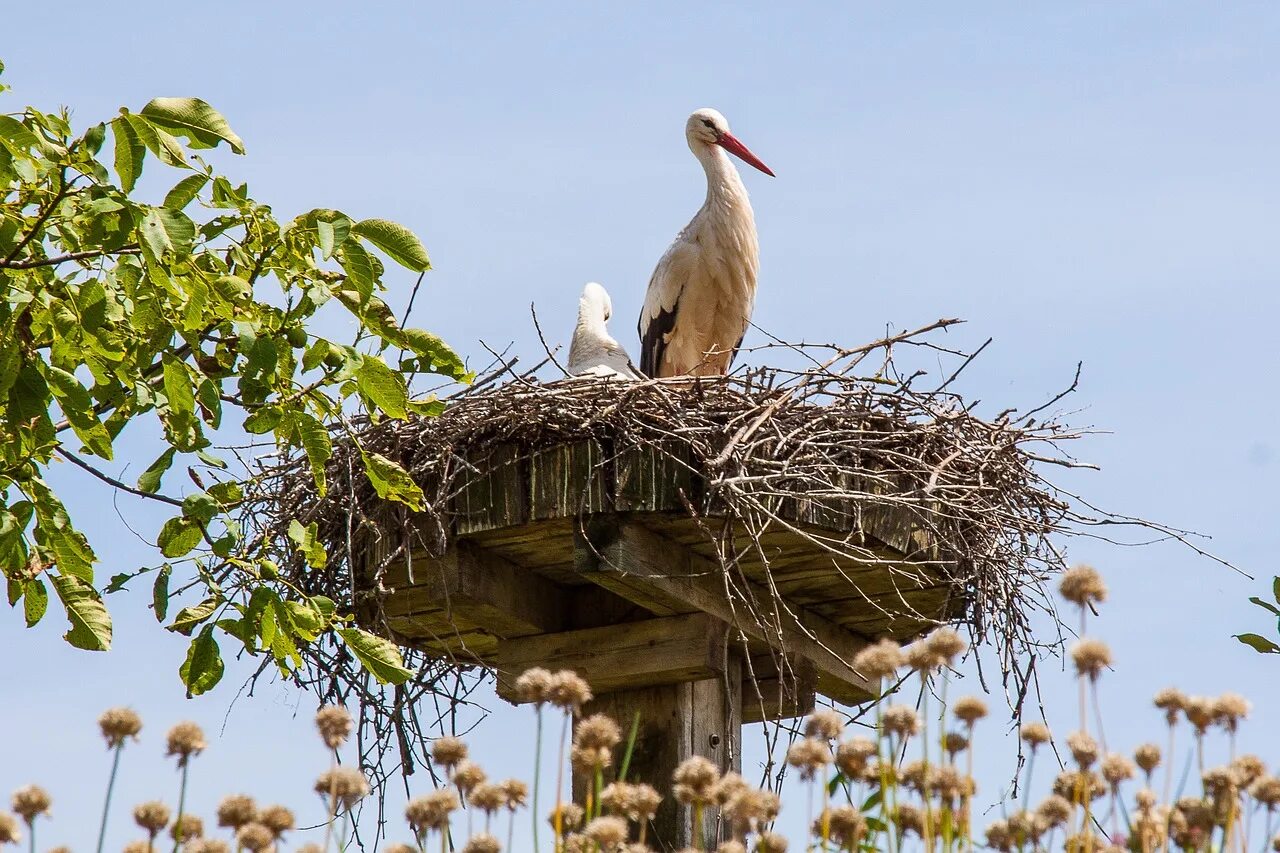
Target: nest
[{"x": 845, "y": 429}]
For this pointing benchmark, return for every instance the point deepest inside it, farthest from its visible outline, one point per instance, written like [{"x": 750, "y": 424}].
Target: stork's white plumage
[
  {"x": 700, "y": 297},
  {"x": 592, "y": 352}
]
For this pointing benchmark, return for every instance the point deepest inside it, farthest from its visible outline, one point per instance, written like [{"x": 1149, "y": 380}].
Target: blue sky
[{"x": 1085, "y": 181}]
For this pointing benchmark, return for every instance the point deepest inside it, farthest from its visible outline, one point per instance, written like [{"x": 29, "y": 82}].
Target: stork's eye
[{"x": 709, "y": 123}]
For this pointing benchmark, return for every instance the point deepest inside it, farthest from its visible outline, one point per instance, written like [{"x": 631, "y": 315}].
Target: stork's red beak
[{"x": 730, "y": 143}]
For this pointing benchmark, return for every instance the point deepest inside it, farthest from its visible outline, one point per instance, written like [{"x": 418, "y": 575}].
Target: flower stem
[
  {"x": 182, "y": 800},
  {"x": 111, "y": 784},
  {"x": 537, "y": 778}
]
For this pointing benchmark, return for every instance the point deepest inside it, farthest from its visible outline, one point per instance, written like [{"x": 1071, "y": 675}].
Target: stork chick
[
  {"x": 700, "y": 297},
  {"x": 593, "y": 352}
]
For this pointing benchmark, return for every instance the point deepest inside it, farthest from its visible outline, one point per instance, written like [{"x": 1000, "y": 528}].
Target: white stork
[
  {"x": 592, "y": 352},
  {"x": 700, "y": 297}
]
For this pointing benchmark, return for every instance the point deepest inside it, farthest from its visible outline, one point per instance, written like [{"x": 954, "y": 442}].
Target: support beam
[
  {"x": 768, "y": 694},
  {"x": 630, "y": 560},
  {"x": 617, "y": 657}
]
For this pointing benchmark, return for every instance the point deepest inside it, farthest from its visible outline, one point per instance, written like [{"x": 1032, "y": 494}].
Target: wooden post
[{"x": 676, "y": 721}]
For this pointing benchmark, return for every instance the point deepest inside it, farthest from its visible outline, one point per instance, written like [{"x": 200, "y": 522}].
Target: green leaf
[
  {"x": 184, "y": 191},
  {"x": 160, "y": 593},
  {"x": 15, "y": 136},
  {"x": 441, "y": 356},
  {"x": 392, "y": 482},
  {"x": 1275, "y": 589},
  {"x": 400, "y": 244},
  {"x": 318, "y": 446},
  {"x": 167, "y": 232},
  {"x": 130, "y": 153},
  {"x": 379, "y": 656},
  {"x": 180, "y": 420},
  {"x": 35, "y": 600},
  {"x": 1258, "y": 643},
  {"x": 263, "y": 420},
  {"x": 90, "y": 622},
  {"x": 149, "y": 480},
  {"x": 77, "y": 406},
  {"x": 179, "y": 537},
  {"x": 158, "y": 141},
  {"x": 1268, "y": 605},
  {"x": 203, "y": 668},
  {"x": 305, "y": 539},
  {"x": 201, "y": 124},
  {"x": 383, "y": 386},
  {"x": 189, "y": 617}
]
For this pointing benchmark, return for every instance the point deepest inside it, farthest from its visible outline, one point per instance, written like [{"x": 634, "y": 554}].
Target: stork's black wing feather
[{"x": 653, "y": 339}]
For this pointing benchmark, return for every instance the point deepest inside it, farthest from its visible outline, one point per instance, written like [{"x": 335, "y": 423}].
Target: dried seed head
[
  {"x": 644, "y": 802},
  {"x": 1035, "y": 733},
  {"x": 534, "y": 685},
  {"x": 236, "y": 810},
  {"x": 901, "y": 720},
  {"x": 1275, "y": 843},
  {"x": 922, "y": 658},
  {"x": 1229, "y": 709},
  {"x": 119, "y": 724},
  {"x": 1082, "y": 585},
  {"x": 950, "y": 784},
  {"x": 401, "y": 848},
  {"x": 731, "y": 847},
  {"x": 695, "y": 780},
  {"x": 845, "y": 824},
  {"x": 954, "y": 743},
  {"x": 570, "y": 816},
  {"x": 1084, "y": 749},
  {"x": 947, "y": 644},
  {"x": 1200, "y": 712},
  {"x": 516, "y": 791},
  {"x": 29, "y": 801},
  {"x": 1171, "y": 700},
  {"x": 1117, "y": 768},
  {"x": 334, "y": 724},
  {"x": 347, "y": 784},
  {"x": 729, "y": 785},
  {"x": 998, "y": 837},
  {"x": 1091, "y": 657},
  {"x": 254, "y": 836},
  {"x": 431, "y": 811},
  {"x": 185, "y": 740},
  {"x": 1145, "y": 799},
  {"x": 910, "y": 819},
  {"x": 138, "y": 847},
  {"x": 152, "y": 816},
  {"x": 590, "y": 759},
  {"x": 1075, "y": 785},
  {"x": 879, "y": 660},
  {"x": 771, "y": 842},
  {"x": 186, "y": 828},
  {"x": 482, "y": 842},
  {"x": 826, "y": 724},
  {"x": 1147, "y": 756},
  {"x": 1266, "y": 790},
  {"x": 1021, "y": 827},
  {"x": 751, "y": 807},
  {"x": 568, "y": 691},
  {"x": 1054, "y": 810},
  {"x": 278, "y": 819},
  {"x": 487, "y": 797},
  {"x": 597, "y": 732},
  {"x": 809, "y": 755},
  {"x": 852, "y": 756},
  {"x": 609, "y": 832},
  {"x": 448, "y": 751},
  {"x": 969, "y": 709},
  {"x": 1249, "y": 768},
  {"x": 467, "y": 775},
  {"x": 9, "y": 832},
  {"x": 212, "y": 845}
]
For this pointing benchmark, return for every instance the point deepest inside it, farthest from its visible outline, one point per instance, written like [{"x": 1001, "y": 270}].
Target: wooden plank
[
  {"x": 768, "y": 694},
  {"x": 625, "y": 557},
  {"x": 567, "y": 481},
  {"x": 647, "y": 479},
  {"x": 493, "y": 495},
  {"x": 617, "y": 657}
]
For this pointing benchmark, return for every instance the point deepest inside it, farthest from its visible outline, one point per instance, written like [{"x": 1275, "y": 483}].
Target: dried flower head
[
  {"x": 278, "y": 819},
  {"x": 186, "y": 828},
  {"x": 431, "y": 811},
  {"x": 1117, "y": 768},
  {"x": 1145, "y": 799},
  {"x": 947, "y": 644},
  {"x": 152, "y": 816},
  {"x": 1266, "y": 790},
  {"x": 533, "y": 685},
  {"x": 334, "y": 724},
  {"x": 844, "y": 824},
  {"x": 1250, "y": 768},
  {"x": 751, "y": 808},
  {"x": 589, "y": 760},
  {"x": 1171, "y": 700},
  {"x": 1075, "y": 785},
  {"x": 1091, "y": 657},
  {"x": 1084, "y": 749},
  {"x": 809, "y": 755},
  {"x": 211, "y": 845},
  {"x": 1200, "y": 712},
  {"x": 185, "y": 740},
  {"x": 345, "y": 784},
  {"x": 1055, "y": 810},
  {"x": 910, "y": 819},
  {"x": 236, "y": 810},
  {"x": 954, "y": 743},
  {"x": 568, "y": 691},
  {"x": 879, "y": 660},
  {"x": 1082, "y": 585},
  {"x": 1275, "y": 843},
  {"x": 922, "y": 658},
  {"x": 516, "y": 792},
  {"x": 482, "y": 842},
  {"x": 119, "y": 724},
  {"x": 9, "y": 832},
  {"x": 771, "y": 842},
  {"x": 609, "y": 832},
  {"x": 731, "y": 847},
  {"x": 1229, "y": 709},
  {"x": 729, "y": 785},
  {"x": 695, "y": 780},
  {"x": 310, "y": 848},
  {"x": 998, "y": 837},
  {"x": 969, "y": 709},
  {"x": 254, "y": 836},
  {"x": 826, "y": 724},
  {"x": 488, "y": 797},
  {"x": 569, "y": 816},
  {"x": 448, "y": 751},
  {"x": 1147, "y": 757},
  {"x": 467, "y": 775},
  {"x": 29, "y": 801},
  {"x": 143, "y": 846},
  {"x": 597, "y": 732},
  {"x": 901, "y": 720},
  {"x": 1035, "y": 734},
  {"x": 852, "y": 756},
  {"x": 401, "y": 848}
]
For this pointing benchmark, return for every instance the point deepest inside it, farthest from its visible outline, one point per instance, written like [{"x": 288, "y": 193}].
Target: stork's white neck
[{"x": 723, "y": 181}]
